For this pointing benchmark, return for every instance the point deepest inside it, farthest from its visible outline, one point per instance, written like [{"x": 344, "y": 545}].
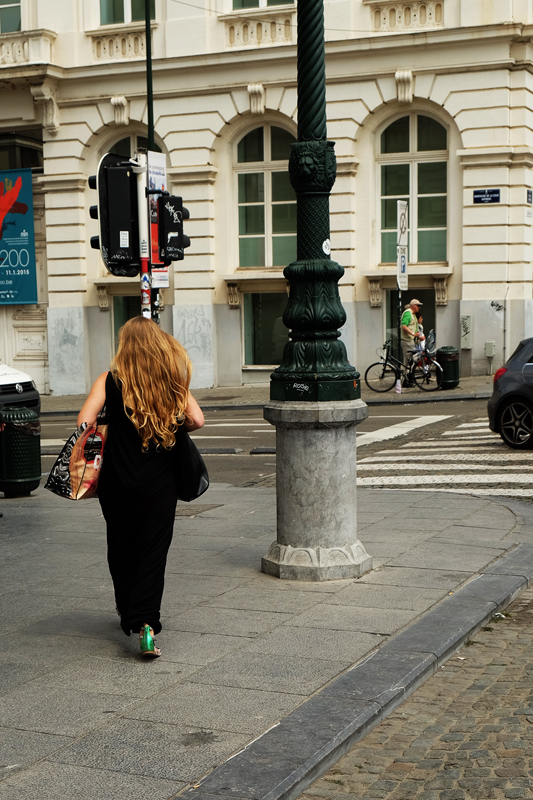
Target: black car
[
  {"x": 511, "y": 405},
  {"x": 18, "y": 389}
]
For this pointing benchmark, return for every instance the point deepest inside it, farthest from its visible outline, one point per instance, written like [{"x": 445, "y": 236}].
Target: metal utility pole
[
  {"x": 149, "y": 84},
  {"x": 315, "y": 392}
]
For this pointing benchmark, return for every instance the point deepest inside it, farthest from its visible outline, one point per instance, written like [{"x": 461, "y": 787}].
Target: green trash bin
[
  {"x": 20, "y": 451},
  {"x": 448, "y": 358}
]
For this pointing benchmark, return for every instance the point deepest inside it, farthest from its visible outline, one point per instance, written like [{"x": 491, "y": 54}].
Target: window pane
[
  {"x": 279, "y": 2},
  {"x": 138, "y": 10},
  {"x": 251, "y": 219},
  {"x": 284, "y": 218},
  {"x": 388, "y": 247},
  {"x": 432, "y": 212},
  {"x": 245, "y": 4},
  {"x": 432, "y": 245},
  {"x": 252, "y": 188},
  {"x": 395, "y": 179},
  {"x": 431, "y": 134},
  {"x": 252, "y": 252},
  {"x": 264, "y": 330},
  {"x": 283, "y": 250},
  {"x": 251, "y": 147},
  {"x": 10, "y": 20},
  {"x": 395, "y": 139},
  {"x": 111, "y": 11},
  {"x": 432, "y": 178},
  {"x": 281, "y": 187},
  {"x": 280, "y": 144},
  {"x": 389, "y": 213}
]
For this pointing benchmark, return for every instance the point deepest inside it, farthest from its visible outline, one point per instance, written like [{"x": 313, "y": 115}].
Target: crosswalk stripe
[
  {"x": 464, "y": 457},
  {"x": 401, "y": 428},
  {"x": 457, "y": 465},
  {"x": 420, "y": 480},
  {"x": 448, "y": 444},
  {"x": 475, "y": 491}
]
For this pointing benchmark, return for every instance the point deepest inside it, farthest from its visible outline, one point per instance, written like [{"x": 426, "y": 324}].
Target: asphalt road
[{"x": 239, "y": 443}]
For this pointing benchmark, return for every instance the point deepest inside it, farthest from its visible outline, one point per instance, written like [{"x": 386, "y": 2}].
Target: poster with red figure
[{"x": 18, "y": 274}]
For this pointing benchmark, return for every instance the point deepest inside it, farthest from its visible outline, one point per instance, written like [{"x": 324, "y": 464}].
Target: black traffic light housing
[
  {"x": 172, "y": 241},
  {"x": 118, "y": 215}
]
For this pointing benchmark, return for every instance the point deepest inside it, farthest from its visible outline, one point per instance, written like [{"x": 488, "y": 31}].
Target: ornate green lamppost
[
  {"x": 314, "y": 395},
  {"x": 315, "y": 364}
]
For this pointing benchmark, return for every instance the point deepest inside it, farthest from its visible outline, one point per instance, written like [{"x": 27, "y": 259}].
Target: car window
[{"x": 520, "y": 347}]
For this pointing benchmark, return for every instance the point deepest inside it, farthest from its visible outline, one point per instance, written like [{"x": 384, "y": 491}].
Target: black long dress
[{"x": 138, "y": 496}]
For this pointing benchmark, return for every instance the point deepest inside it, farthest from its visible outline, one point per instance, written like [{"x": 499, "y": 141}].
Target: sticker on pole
[{"x": 326, "y": 247}]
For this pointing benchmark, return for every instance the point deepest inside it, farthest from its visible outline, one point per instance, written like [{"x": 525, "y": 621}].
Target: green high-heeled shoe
[{"x": 147, "y": 642}]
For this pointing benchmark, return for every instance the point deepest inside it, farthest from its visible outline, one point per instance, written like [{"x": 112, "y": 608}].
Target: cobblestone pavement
[{"x": 466, "y": 733}]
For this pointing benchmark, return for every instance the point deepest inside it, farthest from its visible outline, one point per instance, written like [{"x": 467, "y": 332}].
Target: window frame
[
  {"x": 266, "y": 167},
  {"x": 127, "y": 6},
  {"x": 12, "y": 4},
  {"x": 263, "y": 4},
  {"x": 412, "y": 158}
]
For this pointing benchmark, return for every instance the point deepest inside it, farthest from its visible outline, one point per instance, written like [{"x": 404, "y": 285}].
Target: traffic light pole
[{"x": 144, "y": 248}]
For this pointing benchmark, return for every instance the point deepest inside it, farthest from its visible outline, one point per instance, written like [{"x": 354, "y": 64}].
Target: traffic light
[
  {"x": 117, "y": 213},
  {"x": 172, "y": 241}
]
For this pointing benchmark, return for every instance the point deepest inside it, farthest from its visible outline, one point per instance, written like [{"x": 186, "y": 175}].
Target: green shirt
[{"x": 411, "y": 322}]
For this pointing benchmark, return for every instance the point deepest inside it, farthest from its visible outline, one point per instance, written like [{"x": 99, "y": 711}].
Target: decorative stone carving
[
  {"x": 103, "y": 297},
  {"x": 262, "y": 27},
  {"x": 46, "y": 93},
  {"x": 121, "y": 107},
  {"x": 234, "y": 300},
  {"x": 120, "y": 45},
  {"x": 376, "y": 295},
  {"x": 257, "y": 98},
  {"x": 404, "y": 85},
  {"x": 441, "y": 291},
  {"x": 401, "y": 16},
  {"x": 27, "y": 47}
]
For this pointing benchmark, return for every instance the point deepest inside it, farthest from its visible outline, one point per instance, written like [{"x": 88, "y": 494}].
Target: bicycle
[{"x": 422, "y": 370}]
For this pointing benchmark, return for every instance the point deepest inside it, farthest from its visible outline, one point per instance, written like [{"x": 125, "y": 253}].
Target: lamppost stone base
[{"x": 316, "y": 491}]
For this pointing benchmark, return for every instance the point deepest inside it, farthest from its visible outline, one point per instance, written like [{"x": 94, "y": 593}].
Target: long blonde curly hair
[{"x": 153, "y": 371}]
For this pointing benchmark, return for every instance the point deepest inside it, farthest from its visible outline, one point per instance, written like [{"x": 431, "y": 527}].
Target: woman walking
[{"x": 149, "y": 407}]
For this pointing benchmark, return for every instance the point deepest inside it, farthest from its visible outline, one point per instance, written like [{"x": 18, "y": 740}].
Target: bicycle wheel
[
  {"x": 427, "y": 375},
  {"x": 380, "y": 377}
]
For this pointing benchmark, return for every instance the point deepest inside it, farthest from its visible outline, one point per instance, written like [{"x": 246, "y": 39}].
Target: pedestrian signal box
[{"x": 172, "y": 239}]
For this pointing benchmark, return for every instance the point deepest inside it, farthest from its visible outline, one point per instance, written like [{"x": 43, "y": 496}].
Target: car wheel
[{"x": 516, "y": 424}]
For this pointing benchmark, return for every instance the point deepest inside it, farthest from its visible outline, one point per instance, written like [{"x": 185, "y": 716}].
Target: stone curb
[
  {"x": 285, "y": 760},
  {"x": 372, "y": 400}
]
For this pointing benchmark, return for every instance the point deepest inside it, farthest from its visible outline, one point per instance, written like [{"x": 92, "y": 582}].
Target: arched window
[
  {"x": 413, "y": 164},
  {"x": 266, "y": 199}
]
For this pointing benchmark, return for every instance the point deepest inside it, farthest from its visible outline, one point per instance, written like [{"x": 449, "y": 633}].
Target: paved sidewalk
[
  {"x": 466, "y": 733},
  {"x": 476, "y": 388},
  {"x": 263, "y": 683}
]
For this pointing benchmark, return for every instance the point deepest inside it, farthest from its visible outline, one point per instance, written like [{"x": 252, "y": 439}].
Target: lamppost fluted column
[{"x": 314, "y": 394}]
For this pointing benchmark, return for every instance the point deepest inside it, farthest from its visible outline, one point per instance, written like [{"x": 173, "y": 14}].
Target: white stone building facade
[{"x": 429, "y": 101}]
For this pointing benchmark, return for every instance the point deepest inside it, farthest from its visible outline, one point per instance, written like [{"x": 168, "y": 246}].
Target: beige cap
[{"x": 416, "y": 302}]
